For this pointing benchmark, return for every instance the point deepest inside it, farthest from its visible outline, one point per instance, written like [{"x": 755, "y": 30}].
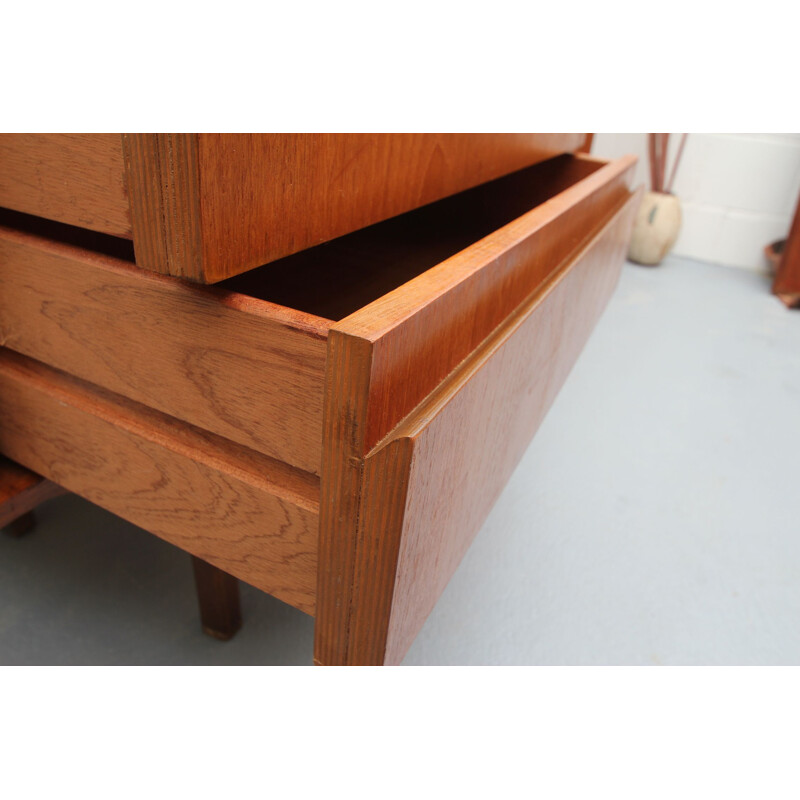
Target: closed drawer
[
  {"x": 248, "y": 514},
  {"x": 247, "y": 359},
  {"x": 75, "y": 178}
]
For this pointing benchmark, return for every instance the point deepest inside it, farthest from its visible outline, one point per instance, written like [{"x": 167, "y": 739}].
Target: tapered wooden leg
[
  {"x": 787, "y": 277},
  {"x": 218, "y": 595},
  {"x": 21, "y": 525},
  {"x": 20, "y": 492}
]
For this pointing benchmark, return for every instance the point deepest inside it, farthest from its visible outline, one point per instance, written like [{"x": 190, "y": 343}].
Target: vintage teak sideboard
[{"x": 310, "y": 361}]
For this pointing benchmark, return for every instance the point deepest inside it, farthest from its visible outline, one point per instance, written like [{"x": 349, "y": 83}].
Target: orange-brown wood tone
[
  {"x": 75, "y": 178},
  {"x": 234, "y": 365},
  {"x": 21, "y": 491},
  {"x": 332, "y": 427},
  {"x": 392, "y": 364},
  {"x": 787, "y": 277},
  {"x": 208, "y": 206},
  {"x": 218, "y": 598},
  {"x": 455, "y": 454},
  {"x": 249, "y": 515}
]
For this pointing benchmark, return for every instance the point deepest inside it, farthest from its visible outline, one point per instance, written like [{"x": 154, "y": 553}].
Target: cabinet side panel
[{"x": 469, "y": 438}]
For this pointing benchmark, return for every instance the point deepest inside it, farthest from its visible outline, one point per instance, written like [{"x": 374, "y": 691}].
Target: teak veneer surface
[
  {"x": 387, "y": 358},
  {"x": 240, "y": 359},
  {"x": 251, "y": 516},
  {"x": 234, "y": 365},
  {"x": 209, "y": 206},
  {"x": 407, "y": 363},
  {"x": 453, "y": 456},
  {"x": 76, "y": 178}
]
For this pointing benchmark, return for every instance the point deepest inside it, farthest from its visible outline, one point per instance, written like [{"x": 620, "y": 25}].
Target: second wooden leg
[
  {"x": 21, "y": 525},
  {"x": 218, "y": 596}
]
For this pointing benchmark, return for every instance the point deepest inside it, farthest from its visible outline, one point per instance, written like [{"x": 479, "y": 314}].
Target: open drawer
[
  {"x": 407, "y": 364},
  {"x": 246, "y": 359},
  {"x": 206, "y": 206}
]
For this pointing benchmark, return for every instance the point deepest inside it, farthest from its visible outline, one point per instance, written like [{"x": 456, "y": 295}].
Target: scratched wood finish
[
  {"x": 209, "y": 206},
  {"x": 388, "y": 358},
  {"x": 234, "y": 365},
  {"x": 787, "y": 277},
  {"x": 21, "y": 491},
  {"x": 75, "y": 178},
  {"x": 247, "y": 514}
]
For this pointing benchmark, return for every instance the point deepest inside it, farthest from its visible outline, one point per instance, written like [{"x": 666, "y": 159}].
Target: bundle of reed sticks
[{"x": 658, "y": 144}]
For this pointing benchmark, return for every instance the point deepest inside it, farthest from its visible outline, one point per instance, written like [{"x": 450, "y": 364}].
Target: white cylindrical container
[{"x": 656, "y": 228}]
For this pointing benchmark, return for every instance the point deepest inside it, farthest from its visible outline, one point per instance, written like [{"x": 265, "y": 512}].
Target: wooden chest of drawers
[{"x": 334, "y": 426}]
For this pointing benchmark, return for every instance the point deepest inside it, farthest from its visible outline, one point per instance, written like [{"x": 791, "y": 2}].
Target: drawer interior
[{"x": 335, "y": 279}]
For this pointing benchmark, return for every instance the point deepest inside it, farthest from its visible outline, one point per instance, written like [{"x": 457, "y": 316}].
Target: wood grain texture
[
  {"x": 787, "y": 277},
  {"x": 386, "y": 359},
  {"x": 425, "y": 328},
  {"x": 249, "y": 515},
  {"x": 21, "y": 491},
  {"x": 75, "y": 178},
  {"x": 428, "y": 488},
  {"x": 209, "y": 206},
  {"x": 335, "y": 279},
  {"x": 163, "y": 178},
  {"x": 467, "y": 439},
  {"x": 234, "y": 365}
]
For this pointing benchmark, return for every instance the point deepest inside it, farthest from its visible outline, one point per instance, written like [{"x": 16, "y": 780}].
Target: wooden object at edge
[
  {"x": 787, "y": 277},
  {"x": 21, "y": 490}
]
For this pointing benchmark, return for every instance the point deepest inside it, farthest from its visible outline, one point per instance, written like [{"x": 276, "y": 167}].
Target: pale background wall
[{"x": 738, "y": 191}]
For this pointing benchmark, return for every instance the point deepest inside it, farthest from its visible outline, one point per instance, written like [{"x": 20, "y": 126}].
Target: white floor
[{"x": 655, "y": 519}]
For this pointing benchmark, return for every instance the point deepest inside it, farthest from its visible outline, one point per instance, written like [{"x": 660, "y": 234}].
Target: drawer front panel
[
  {"x": 218, "y": 361},
  {"x": 75, "y": 178},
  {"x": 249, "y": 516}
]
